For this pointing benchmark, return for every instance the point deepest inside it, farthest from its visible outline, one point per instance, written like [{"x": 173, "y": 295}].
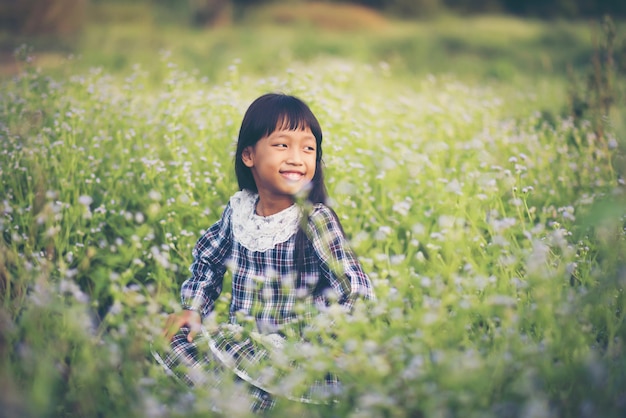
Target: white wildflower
[
  {"x": 446, "y": 221},
  {"x": 418, "y": 229},
  {"x": 501, "y": 300},
  {"x": 454, "y": 187},
  {"x": 85, "y": 200},
  {"x": 402, "y": 207},
  {"x": 382, "y": 233}
]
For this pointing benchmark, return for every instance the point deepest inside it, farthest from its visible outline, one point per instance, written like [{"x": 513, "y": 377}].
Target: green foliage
[
  {"x": 601, "y": 99},
  {"x": 541, "y": 51},
  {"x": 494, "y": 235},
  {"x": 497, "y": 263}
]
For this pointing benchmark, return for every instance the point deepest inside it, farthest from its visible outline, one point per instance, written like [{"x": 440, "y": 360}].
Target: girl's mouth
[{"x": 292, "y": 175}]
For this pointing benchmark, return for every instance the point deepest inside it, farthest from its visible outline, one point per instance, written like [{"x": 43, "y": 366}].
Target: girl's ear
[{"x": 246, "y": 157}]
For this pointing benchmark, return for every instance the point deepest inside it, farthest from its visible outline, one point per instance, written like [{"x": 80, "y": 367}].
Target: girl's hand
[{"x": 175, "y": 321}]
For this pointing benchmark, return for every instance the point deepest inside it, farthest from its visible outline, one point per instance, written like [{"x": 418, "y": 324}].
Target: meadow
[{"x": 490, "y": 221}]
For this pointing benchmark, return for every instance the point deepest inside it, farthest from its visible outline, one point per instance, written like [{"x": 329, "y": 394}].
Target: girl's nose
[{"x": 294, "y": 157}]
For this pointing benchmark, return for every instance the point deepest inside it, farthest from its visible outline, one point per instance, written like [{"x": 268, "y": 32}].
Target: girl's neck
[{"x": 266, "y": 206}]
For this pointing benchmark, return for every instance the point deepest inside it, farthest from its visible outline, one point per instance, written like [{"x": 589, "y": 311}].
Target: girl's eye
[
  {"x": 312, "y": 149},
  {"x": 280, "y": 145}
]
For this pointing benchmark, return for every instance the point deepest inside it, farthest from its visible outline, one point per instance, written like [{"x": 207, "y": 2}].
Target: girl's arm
[
  {"x": 201, "y": 290},
  {"x": 346, "y": 277}
]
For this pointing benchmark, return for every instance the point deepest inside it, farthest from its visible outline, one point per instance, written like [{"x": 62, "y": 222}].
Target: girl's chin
[{"x": 302, "y": 189}]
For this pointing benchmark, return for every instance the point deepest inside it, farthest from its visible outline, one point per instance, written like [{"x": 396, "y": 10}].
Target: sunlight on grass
[
  {"x": 490, "y": 222},
  {"x": 489, "y": 47},
  {"x": 460, "y": 199}
]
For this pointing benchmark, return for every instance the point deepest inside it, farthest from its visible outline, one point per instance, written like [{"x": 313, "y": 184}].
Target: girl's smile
[{"x": 292, "y": 175}]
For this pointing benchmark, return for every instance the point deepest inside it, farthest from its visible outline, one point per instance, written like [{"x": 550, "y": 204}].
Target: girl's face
[{"x": 282, "y": 163}]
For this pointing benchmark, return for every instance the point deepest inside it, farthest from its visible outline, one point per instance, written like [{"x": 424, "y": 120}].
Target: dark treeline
[
  {"x": 206, "y": 11},
  {"x": 529, "y": 8},
  {"x": 545, "y": 9},
  {"x": 65, "y": 17}
]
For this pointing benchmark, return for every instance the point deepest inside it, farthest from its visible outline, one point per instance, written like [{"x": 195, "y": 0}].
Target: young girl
[{"x": 277, "y": 259}]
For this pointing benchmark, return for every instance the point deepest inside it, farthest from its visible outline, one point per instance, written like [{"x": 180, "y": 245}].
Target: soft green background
[{"x": 487, "y": 210}]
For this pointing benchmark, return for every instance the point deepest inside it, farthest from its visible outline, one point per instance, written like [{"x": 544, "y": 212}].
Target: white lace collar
[{"x": 260, "y": 233}]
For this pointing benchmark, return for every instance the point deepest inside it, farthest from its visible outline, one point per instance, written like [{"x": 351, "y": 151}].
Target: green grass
[
  {"x": 494, "y": 235},
  {"x": 487, "y": 47}
]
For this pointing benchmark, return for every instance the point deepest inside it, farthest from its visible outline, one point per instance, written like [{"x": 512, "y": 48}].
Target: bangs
[{"x": 290, "y": 123}]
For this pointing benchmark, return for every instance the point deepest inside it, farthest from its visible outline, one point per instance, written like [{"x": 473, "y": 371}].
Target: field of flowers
[{"x": 491, "y": 235}]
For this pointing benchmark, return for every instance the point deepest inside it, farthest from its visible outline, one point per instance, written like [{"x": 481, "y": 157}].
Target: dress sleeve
[
  {"x": 345, "y": 274},
  {"x": 200, "y": 291}
]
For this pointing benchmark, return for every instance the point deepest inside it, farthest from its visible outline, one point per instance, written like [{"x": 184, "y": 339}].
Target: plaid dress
[{"x": 267, "y": 283}]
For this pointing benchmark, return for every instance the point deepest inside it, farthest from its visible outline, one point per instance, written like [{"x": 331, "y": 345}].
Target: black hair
[{"x": 266, "y": 114}]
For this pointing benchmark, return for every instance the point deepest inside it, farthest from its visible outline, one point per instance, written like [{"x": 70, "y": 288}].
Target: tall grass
[
  {"x": 497, "y": 263},
  {"x": 118, "y": 35}
]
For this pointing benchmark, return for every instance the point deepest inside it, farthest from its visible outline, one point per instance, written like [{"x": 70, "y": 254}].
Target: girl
[{"x": 278, "y": 255}]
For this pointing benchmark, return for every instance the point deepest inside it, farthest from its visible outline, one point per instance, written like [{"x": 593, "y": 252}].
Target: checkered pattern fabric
[
  {"x": 266, "y": 286},
  {"x": 194, "y": 365}
]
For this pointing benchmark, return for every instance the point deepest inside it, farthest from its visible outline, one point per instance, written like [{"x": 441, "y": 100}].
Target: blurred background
[
  {"x": 550, "y": 72},
  {"x": 540, "y": 37}
]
